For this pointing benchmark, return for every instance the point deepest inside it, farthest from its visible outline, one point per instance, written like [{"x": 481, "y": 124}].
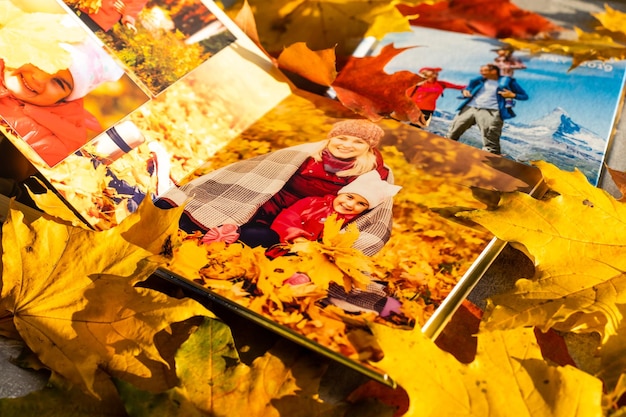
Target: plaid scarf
[{"x": 232, "y": 194}]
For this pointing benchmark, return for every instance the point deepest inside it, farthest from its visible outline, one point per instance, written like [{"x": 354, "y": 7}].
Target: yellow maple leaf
[
  {"x": 612, "y": 19},
  {"x": 334, "y": 258},
  {"x": 72, "y": 296},
  {"x": 612, "y": 361},
  {"x": 340, "y": 24},
  {"x": 213, "y": 380},
  {"x": 587, "y": 47},
  {"x": 238, "y": 389},
  {"x": 579, "y": 251},
  {"x": 38, "y": 37},
  {"x": 508, "y": 377}
]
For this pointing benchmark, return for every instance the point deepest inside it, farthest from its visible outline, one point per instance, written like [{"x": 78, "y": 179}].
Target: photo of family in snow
[{"x": 527, "y": 107}]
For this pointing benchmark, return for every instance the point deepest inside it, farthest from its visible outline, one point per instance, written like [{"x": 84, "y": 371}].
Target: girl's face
[
  {"x": 349, "y": 203},
  {"x": 347, "y": 147},
  {"x": 428, "y": 74},
  {"x": 32, "y": 85}
]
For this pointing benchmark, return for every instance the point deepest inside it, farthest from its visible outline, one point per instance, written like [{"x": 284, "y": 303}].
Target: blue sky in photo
[{"x": 590, "y": 93}]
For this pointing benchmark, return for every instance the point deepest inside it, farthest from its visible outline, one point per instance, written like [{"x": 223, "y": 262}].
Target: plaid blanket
[{"x": 233, "y": 194}]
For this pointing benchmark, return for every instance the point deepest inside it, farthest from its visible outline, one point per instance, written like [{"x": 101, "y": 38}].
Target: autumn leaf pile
[
  {"x": 149, "y": 353},
  {"x": 425, "y": 257}
]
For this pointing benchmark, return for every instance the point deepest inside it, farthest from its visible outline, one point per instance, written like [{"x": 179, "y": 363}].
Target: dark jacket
[{"x": 504, "y": 83}]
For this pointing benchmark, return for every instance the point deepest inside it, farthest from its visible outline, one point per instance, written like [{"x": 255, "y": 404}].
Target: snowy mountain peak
[{"x": 559, "y": 122}]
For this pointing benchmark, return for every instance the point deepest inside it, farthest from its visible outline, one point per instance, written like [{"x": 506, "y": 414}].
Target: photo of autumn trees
[{"x": 167, "y": 41}]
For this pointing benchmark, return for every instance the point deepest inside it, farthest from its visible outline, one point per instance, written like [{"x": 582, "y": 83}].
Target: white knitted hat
[
  {"x": 371, "y": 187},
  {"x": 91, "y": 66}
]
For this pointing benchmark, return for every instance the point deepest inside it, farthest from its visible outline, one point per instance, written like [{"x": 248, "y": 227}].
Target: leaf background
[{"x": 594, "y": 400}]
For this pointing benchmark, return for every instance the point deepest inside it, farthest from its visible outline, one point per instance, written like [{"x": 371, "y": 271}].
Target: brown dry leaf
[
  {"x": 316, "y": 66},
  {"x": 619, "y": 178},
  {"x": 58, "y": 283},
  {"x": 365, "y": 88},
  {"x": 508, "y": 377}
]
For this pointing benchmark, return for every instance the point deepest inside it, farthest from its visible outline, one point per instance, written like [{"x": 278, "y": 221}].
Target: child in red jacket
[
  {"x": 304, "y": 220},
  {"x": 47, "y": 110},
  {"x": 426, "y": 92}
]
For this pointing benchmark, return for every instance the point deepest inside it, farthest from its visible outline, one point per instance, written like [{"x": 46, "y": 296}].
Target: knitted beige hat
[{"x": 360, "y": 128}]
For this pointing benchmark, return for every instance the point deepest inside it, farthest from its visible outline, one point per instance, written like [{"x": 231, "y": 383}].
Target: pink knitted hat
[
  {"x": 91, "y": 66},
  {"x": 360, "y": 128}
]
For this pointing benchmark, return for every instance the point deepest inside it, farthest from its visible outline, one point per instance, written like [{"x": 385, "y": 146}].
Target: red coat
[
  {"x": 426, "y": 95},
  {"x": 311, "y": 180},
  {"x": 107, "y": 16},
  {"x": 306, "y": 218},
  {"x": 53, "y": 132}
]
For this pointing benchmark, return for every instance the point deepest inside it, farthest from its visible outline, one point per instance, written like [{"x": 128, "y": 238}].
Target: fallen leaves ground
[{"x": 572, "y": 235}]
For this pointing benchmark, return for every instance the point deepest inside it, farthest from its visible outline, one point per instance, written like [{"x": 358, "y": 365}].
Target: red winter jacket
[
  {"x": 311, "y": 180},
  {"x": 306, "y": 218},
  {"x": 426, "y": 95},
  {"x": 53, "y": 132},
  {"x": 107, "y": 16}
]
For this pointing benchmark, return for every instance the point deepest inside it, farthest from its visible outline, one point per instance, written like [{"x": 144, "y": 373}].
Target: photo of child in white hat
[{"x": 42, "y": 101}]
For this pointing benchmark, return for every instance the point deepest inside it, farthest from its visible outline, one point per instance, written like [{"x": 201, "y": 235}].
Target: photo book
[
  {"x": 300, "y": 215},
  {"x": 564, "y": 113}
]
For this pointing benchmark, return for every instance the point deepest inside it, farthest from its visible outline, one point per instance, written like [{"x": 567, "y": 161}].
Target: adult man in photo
[{"x": 484, "y": 105}]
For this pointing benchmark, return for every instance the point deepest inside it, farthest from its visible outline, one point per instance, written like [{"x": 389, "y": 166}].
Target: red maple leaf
[
  {"x": 365, "y": 88},
  {"x": 493, "y": 18}
]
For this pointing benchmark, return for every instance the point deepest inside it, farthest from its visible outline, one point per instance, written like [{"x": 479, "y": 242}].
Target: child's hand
[
  {"x": 131, "y": 27},
  {"x": 507, "y": 93},
  {"x": 129, "y": 23}
]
